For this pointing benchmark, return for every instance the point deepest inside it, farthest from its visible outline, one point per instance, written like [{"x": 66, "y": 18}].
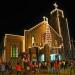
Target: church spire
[{"x": 57, "y": 9}]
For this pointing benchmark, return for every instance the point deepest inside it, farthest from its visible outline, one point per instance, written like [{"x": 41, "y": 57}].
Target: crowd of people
[
  {"x": 5, "y": 67},
  {"x": 36, "y": 66}
]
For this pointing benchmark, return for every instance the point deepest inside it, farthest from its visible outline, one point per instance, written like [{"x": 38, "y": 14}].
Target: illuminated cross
[
  {"x": 55, "y": 5},
  {"x": 44, "y": 18}
]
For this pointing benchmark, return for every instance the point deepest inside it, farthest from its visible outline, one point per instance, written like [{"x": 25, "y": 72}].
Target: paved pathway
[{"x": 62, "y": 72}]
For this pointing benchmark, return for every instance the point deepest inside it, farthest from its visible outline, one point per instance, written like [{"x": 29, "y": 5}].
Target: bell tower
[{"x": 60, "y": 25}]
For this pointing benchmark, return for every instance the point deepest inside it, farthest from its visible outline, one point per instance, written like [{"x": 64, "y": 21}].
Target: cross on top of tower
[
  {"x": 44, "y": 18},
  {"x": 55, "y": 5}
]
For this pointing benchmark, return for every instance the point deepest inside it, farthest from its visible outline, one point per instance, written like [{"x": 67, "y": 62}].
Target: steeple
[
  {"x": 57, "y": 9},
  {"x": 60, "y": 23}
]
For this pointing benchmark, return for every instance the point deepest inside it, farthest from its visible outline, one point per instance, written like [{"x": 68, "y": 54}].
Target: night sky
[{"x": 20, "y": 15}]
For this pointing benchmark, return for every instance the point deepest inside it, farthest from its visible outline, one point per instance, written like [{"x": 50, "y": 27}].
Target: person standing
[
  {"x": 56, "y": 67},
  {"x": 18, "y": 69},
  {"x": 3, "y": 68}
]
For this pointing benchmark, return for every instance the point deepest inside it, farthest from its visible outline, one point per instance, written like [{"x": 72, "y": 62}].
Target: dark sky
[{"x": 20, "y": 15}]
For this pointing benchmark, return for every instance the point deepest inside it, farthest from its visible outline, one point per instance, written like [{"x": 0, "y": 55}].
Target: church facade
[{"x": 42, "y": 41}]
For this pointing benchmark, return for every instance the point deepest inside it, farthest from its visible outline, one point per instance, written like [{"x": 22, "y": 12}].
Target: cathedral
[{"x": 47, "y": 40}]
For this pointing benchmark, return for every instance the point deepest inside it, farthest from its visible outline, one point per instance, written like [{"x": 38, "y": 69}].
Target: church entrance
[
  {"x": 54, "y": 57},
  {"x": 33, "y": 54}
]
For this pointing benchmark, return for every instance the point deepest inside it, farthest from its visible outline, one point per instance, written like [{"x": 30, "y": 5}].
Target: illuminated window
[
  {"x": 33, "y": 40},
  {"x": 14, "y": 51}
]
